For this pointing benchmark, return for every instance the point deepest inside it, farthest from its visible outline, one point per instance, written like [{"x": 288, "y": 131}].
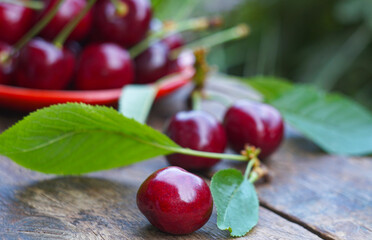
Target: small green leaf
[
  {"x": 136, "y": 101},
  {"x": 270, "y": 88},
  {"x": 337, "y": 124},
  {"x": 78, "y": 138},
  {"x": 236, "y": 202}
]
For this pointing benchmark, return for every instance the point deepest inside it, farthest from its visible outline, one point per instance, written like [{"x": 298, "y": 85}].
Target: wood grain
[{"x": 100, "y": 206}]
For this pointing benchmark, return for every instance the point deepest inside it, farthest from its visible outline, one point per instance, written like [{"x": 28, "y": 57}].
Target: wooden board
[
  {"x": 99, "y": 206},
  {"x": 311, "y": 194}
]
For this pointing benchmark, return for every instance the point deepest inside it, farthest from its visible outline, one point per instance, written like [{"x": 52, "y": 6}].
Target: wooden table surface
[{"x": 311, "y": 195}]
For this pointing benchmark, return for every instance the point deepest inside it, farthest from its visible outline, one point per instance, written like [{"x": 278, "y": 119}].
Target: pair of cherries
[
  {"x": 245, "y": 122},
  {"x": 104, "y": 64},
  {"x": 178, "y": 202}
]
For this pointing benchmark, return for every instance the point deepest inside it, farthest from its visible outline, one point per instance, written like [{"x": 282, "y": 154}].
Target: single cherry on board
[
  {"x": 104, "y": 66},
  {"x": 6, "y": 64},
  {"x": 175, "y": 201},
  {"x": 15, "y": 21},
  {"x": 197, "y": 130},
  {"x": 42, "y": 65},
  {"x": 256, "y": 124},
  {"x": 67, "y": 11},
  {"x": 126, "y": 28},
  {"x": 152, "y": 64}
]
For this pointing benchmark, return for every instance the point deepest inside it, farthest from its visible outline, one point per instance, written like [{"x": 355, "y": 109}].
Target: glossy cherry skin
[
  {"x": 174, "y": 41},
  {"x": 197, "y": 130},
  {"x": 152, "y": 64},
  {"x": 126, "y": 30},
  {"x": 5, "y": 66},
  {"x": 68, "y": 10},
  {"x": 42, "y": 65},
  {"x": 104, "y": 66},
  {"x": 175, "y": 201},
  {"x": 15, "y": 21},
  {"x": 256, "y": 124}
]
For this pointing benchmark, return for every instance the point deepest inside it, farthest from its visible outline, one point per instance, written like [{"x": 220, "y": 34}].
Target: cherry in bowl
[
  {"x": 15, "y": 21},
  {"x": 175, "y": 201},
  {"x": 196, "y": 130},
  {"x": 152, "y": 64},
  {"x": 68, "y": 10},
  {"x": 126, "y": 28},
  {"x": 42, "y": 65},
  {"x": 104, "y": 66},
  {"x": 256, "y": 124}
]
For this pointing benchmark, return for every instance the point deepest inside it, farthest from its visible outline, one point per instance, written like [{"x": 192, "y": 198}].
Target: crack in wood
[{"x": 297, "y": 221}]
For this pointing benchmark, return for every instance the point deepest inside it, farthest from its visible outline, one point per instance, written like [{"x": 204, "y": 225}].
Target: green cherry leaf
[
  {"x": 236, "y": 202},
  {"x": 78, "y": 138},
  {"x": 136, "y": 101}
]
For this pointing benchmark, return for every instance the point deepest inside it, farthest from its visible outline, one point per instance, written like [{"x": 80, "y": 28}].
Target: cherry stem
[
  {"x": 196, "y": 98},
  {"x": 196, "y": 24},
  {"x": 249, "y": 167},
  {"x": 38, "y": 27},
  {"x": 237, "y": 32},
  {"x": 67, "y": 30},
  {"x": 120, "y": 7},
  {"x": 191, "y": 152},
  {"x": 253, "y": 177},
  {"x": 36, "y": 5}
]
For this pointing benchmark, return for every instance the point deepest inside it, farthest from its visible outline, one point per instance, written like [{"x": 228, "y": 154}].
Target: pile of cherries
[
  {"x": 95, "y": 55},
  {"x": 179, "y": 202}
]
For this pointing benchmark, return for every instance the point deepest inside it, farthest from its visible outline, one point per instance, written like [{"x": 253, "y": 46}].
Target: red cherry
[
  {"x": 185, "y": 59},
  {"x": 174, "y": 41},
  {"x": 256, "y": 124},
  {"x": 15, "y": 21},
  {"x": 126, "y": 30},
  {"x": 104, "y": 66},
  {"x": 42, "y": 65},
  {"x": 199, "y": 131},
  {"x": 5, "y": 65},
  {"x": 152, "y": 64},
  {"x": 68, "y": 10},
  {"x": 175, "y": 201}
]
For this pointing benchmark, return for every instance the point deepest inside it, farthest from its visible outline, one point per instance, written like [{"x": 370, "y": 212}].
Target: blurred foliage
[{"x": 327, "y": 43}]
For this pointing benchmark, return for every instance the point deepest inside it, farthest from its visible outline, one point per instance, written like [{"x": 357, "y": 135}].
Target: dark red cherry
[
  {"x": 152, "y": 64},
  {"x": 174, "y": 41},
  {"x": 185, "y": 59},
  {"x": 6, "y": 64},
  {"x": 256, "y": 124},
  {"x": 127, "y": 29},
  {"x": 104, "y": 66},
  {"x": 175, "y": 201},
  {"x": 42, "y": 65},
  {"x": 197, "y": 130},
  {"x": 68, "y": 10},
  {"x": 15, "y": 21}
]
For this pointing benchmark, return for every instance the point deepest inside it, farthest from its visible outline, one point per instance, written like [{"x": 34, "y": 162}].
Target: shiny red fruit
[
  {"x": 104, "y": 66},
  {"x": 42, "y": 65},
  {"x": 127, "y": 29},
  {"x": 199, "y": 131},
  {"x": 256, "y": 124},
  {"x": 15, "y": 21},
  {"x": 174, "y": 41},
  {"x": 5, "y": 63},
  {"x": 152, "y": 64},
  {"x": 68, "y": 10},
  {"x": 175, "y": 201}
]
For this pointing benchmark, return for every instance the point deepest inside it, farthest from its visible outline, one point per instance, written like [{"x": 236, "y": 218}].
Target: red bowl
[{"x": 24, "y": 99}]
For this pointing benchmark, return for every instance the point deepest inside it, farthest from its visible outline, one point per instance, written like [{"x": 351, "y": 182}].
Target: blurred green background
[{"x": 326, "y": 43}]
